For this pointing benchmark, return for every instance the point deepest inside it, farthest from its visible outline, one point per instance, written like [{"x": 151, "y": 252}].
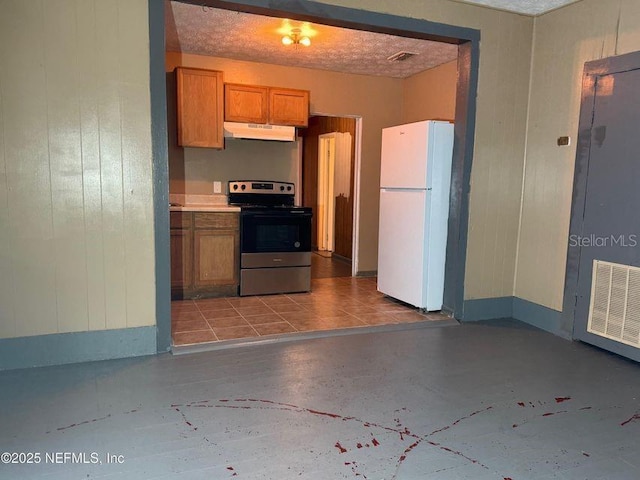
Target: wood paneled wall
[
  {"x": 320, "y": 125},
  {"x": 76, "y": 194},
  {"x": 564, "y": 40},
  {"x": 431, "y": 95}
]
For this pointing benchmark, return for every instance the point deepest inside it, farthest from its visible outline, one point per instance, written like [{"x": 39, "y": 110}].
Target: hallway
[{"x": 487, "y": 401}]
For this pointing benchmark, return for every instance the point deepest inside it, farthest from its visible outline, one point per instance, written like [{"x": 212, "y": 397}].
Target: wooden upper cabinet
[
  {"x": 288, "y": 107},
  {"x": 258, "y": 104},
  {"x": 246, "y": 103},
  {"x": 200, "y": 108}
]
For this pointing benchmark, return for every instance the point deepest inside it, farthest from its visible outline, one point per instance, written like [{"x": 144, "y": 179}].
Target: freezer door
[
  {"x": 401, "y": 247},
  {"x": 404, "y": 156}
]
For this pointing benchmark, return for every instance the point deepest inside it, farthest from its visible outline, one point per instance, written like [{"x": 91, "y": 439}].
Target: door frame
[
  {"x": 592, "y": 70},
  {"x": 355, "y": 227},
  {"x": 468, "y": 41}
]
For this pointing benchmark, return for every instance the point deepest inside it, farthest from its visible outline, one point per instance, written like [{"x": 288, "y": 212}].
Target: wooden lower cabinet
[
  {"x": 181, "y": 258},
  {"x": 216, "y": 258},
  {"x": 205, "y": 255}
]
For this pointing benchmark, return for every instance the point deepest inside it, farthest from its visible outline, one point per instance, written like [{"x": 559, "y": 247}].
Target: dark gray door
[{"x": 609, "y": 164}]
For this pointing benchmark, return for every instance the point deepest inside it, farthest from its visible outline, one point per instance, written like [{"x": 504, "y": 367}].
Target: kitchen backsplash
[
  {"x": 193, "y": 170},
  {"x": 194, "y": 199}
]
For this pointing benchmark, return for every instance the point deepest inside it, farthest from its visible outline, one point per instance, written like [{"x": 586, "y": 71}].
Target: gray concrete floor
[{"x": 495, "y": 401}]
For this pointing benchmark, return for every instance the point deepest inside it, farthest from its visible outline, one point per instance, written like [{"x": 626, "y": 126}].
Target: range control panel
[{"x": 261, "y": 187}]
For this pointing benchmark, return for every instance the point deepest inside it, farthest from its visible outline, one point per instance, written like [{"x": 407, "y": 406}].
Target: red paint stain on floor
[
  {"x": 562, "y": 399},
  {"x": 550, "y": 414},
  {"x": 85, "y": 422},
  {"x": 632, "y": 419},
  {"x": 340, "y": 447}
]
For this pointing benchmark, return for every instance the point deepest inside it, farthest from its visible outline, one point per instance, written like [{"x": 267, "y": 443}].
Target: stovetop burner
[{"x": 261, "y": 193}]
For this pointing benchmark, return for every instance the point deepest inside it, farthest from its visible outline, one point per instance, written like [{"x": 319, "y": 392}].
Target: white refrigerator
[{"x": 415, "y": 178}]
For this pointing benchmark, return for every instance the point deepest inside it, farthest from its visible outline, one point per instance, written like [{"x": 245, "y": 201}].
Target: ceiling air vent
[{"x": 401, "y": 56}]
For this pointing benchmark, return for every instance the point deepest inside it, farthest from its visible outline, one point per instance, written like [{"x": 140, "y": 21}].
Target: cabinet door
[
  {"x": 288, "y": 107},
  {"x": 216, "y": 257},
  {"x": 245, "y": 103},
  {"x": 200, "y": 108},
  {"x": 181, "y": 258}
]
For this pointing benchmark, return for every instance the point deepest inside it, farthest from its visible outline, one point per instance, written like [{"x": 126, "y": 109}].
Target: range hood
[{"x": 255, "y": 131}]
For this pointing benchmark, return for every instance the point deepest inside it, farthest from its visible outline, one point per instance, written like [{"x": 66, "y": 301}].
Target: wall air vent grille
[
  {"x": 614, "y": 312},
  {"x": 401, "y": 56}
]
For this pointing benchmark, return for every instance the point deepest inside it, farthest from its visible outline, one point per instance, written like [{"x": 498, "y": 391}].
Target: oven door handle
[{"x": 294, "y": 215}]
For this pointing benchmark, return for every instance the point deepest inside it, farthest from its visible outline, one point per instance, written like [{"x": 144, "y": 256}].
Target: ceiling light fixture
[{"x": 296, "y": 38}]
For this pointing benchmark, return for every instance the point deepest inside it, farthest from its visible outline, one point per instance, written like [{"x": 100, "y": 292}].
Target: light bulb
[
  {"x": 287, "y": 40},
  {"x": 306, "y": 41}
]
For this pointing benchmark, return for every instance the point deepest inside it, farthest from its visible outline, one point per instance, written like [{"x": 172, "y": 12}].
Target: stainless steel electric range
[{"x": 275, "y": 238}]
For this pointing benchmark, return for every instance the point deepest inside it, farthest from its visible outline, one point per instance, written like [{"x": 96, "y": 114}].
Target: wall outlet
[{"x": 217, "y": 187}]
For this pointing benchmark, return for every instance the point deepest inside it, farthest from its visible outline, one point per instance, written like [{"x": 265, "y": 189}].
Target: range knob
[
  {"x": 282, "y": 188},
  {"x": 288, "y": 188},
  {"x": 235, "y": 187},
  {"x": 243, "y": 187}
]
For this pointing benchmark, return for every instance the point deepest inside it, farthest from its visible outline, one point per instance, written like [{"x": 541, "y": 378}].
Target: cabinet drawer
[
  {"x": 227, "y": 221},
  {"x": 180, "y": 219}
]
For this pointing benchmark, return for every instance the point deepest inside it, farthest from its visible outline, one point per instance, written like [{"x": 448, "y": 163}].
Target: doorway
[
  {"x": 335, "y": 166},
  {"x": 603, "y": 278},
  {"x": 328, "y": 177},
  {"x": 467, "y": 40}
]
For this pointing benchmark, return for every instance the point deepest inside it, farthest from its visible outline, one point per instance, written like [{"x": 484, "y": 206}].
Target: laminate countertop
[
  {"x": 216, "y": 203},
  {"x": 204, "y": 208}
]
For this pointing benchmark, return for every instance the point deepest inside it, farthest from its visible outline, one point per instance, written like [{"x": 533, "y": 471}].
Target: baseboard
[
  {"x": 62, "y": 348},
  {"x": 369, "y": 273},
  {"x": 341, "y": 258},
  {"x": 528, "y": 312},
  {"x": 487, "y": 309},
  {"x": 539, "y": 316}
]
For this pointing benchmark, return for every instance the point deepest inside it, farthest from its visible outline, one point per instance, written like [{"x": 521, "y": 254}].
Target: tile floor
[
  {"x": 323, "y": 266},
  {"x": 333, "y": 303}
]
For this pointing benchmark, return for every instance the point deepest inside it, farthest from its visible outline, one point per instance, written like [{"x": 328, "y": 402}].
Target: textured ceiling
[
  {"x": 526, "y": 7},
  {"x": 257, "y": 38}
]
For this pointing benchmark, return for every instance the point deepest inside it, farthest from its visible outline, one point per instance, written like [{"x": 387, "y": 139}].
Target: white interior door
[
  {"x": 342, "y": 174},
  {"x": 326, "y": 188}
]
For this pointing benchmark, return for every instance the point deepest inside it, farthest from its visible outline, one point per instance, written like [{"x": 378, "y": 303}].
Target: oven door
[{"x": 282, "y": 231}]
